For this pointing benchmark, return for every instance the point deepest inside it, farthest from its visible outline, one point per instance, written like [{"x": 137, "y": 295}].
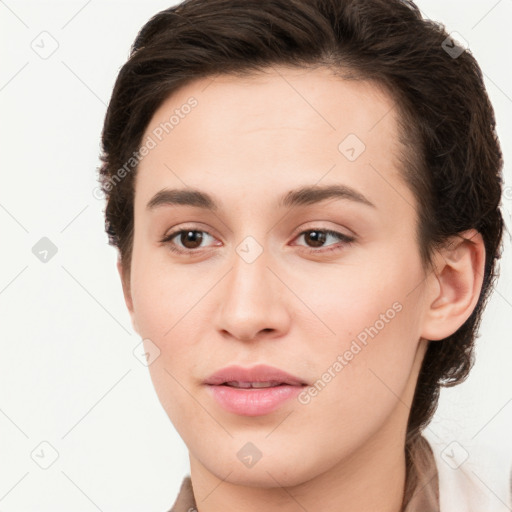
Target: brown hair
[{"x": 451, "y": 158}]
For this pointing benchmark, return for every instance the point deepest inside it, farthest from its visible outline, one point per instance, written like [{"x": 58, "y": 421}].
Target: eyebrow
[{"x": 299, "y": 197}]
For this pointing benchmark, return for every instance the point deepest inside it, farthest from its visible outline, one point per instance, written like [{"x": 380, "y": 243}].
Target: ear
[
  {"x": 455, "y": 286},
  {"x": 125, "y": 281}
]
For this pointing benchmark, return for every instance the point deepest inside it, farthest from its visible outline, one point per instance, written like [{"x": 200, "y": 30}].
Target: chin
[{"x": 272, "y": 470}]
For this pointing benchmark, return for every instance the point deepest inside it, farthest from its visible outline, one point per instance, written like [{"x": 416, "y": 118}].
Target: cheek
[
  {"x": 370, "y": 328},
  {"x": 169, "y": 305},
  {"x": 161, "y": 294}
]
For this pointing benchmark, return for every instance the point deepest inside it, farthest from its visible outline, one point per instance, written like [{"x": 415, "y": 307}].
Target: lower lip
[{"x": 253, "y": 401}]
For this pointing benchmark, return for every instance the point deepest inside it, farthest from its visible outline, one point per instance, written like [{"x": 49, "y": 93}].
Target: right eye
[{"x": 189, "y": 238}]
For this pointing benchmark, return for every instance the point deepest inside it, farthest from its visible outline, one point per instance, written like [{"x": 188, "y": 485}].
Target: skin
[{"x": 248, "y": 142}]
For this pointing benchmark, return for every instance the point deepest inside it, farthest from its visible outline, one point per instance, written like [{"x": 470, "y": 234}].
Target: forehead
[
  {"x": 282, "y": 121},
  {"x": 279, "y": 97}
]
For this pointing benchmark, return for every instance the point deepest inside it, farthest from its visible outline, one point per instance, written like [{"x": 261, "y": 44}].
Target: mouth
[
  {"x": 257, "y": 385},
  {"x": 254, "y": 391}
]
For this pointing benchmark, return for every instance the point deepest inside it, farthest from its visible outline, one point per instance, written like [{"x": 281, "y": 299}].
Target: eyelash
[{"x": 347, "y": 240}]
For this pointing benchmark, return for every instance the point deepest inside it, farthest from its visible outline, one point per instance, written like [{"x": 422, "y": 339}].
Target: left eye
[
  {"x": 318, "y": 236},
  {"x": 191, "y": 240}
]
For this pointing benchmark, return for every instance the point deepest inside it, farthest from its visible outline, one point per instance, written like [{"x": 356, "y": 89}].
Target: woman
[{"x": 305, "y": 198}]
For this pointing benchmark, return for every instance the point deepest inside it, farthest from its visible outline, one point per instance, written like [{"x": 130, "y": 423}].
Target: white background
[{"x": 68, "y": 375}]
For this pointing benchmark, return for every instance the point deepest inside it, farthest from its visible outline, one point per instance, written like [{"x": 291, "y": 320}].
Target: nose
[{"x": 253, "y": 301}]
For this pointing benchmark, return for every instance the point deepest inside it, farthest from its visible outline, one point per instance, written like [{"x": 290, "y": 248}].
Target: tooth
[
  {"x": 248, "y": 385},
  {"x": 237, "y": 384},
  {"x": 262, "y": 384}
]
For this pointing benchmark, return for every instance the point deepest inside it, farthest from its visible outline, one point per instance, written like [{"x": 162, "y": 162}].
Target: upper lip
[{"x": 258, "y": 373}]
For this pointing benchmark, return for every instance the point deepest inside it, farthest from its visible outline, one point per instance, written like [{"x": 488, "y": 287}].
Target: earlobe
[
  {"x": 127, "y": 293},
  {"x": 455, "y": 285}
]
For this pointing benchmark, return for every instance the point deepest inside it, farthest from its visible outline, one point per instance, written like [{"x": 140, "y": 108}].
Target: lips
[
  {"x": 258, "y": 376},
  {"x": 255, "y": 391}
]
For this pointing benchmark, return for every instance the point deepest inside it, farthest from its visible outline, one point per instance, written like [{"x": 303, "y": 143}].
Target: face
[{"x": 328, "y": 287}]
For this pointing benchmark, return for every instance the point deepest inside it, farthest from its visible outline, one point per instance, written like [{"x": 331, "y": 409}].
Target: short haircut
[{"x": 450, "y": 154}]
